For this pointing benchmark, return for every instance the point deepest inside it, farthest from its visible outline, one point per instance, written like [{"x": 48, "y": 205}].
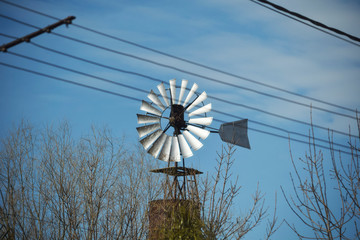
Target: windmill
[{"x": 171, "y": 129}]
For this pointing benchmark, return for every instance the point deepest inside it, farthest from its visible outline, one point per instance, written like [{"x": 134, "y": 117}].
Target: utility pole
[{"x": 28, "y": 37}]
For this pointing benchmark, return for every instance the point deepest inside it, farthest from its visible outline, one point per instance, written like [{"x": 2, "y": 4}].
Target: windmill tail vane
[{"x": 171, "y": 128}]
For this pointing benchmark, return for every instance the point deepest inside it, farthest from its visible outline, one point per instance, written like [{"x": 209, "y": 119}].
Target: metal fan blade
[
  {"x": 201, "y": 121},
  {"x": 165, "y": 151},
  {"x": 193, "y": 141},
  {"x": 203, "y": 109},
  {"x": 162, "y": 91},
  {"x": 173, "y": 90},
  {"x": 198, "y": 131},
  {"x": 184, "y": 147},
  {"x": 158, "y": 144},
  {"x": 147, "y": 107},
  {"x": 235, "y": 133},
  {"x": 190, "y": 94},
  {"x": 150, "y": 139},
  {"x": 144, "y": 130},
  {"x": 198, "y": 100},
  {"x": 175, "y": 150},
  {"x": 152, "y": 96},
  {"x": 182, "y": 89},
  {"x": 147, "y": 119}
]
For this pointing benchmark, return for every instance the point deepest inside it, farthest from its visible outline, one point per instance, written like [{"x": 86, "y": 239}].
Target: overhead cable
[
  {"x": 68, "y": 81},
  {"x": 213, "y": 97},
  {"x": 185, "y": 71},
  {"x": 144, "y": 91},
  {"x": 138, "y": 100},
  {"x": 30, "y": 36},
  {"x": 189, "y": 61},
  {"x": 316, "y": 23}
]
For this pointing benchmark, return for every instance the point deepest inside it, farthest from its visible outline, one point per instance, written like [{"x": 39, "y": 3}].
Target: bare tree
[
  {"x": 57, "y": 186},
  {"x": 219, "y": 194},
  {"x": 326, "y": 197}
]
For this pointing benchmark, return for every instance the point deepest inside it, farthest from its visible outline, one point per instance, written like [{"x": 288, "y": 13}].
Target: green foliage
[{"x": 183, "y": 222}]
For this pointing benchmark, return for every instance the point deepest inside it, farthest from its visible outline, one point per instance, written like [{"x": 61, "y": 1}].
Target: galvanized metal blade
[
  {"x": 147, "y": 107},
  {"x": 235, "y": 133},
  {"x": 184, "y": 147},
  {"x": 202, "y": 133},
  {"x": 198, "y": 100},
  {"x": 175, "y": 150},
  {"x": 165, "y": 151},
  {"x": 201, "y": 121},
  {"x": 144, "y": 130},
  {"x": 193, "y": 141},
  {"x": 184, "y": 83},
  {"x": 203, "y": 109},
  {"x": 152, "y": 96},
  {"x": 163, "y": 93},
  {"x": 173, "y": 90},
  {"x": 158, "y": 144},
  {"x": 150, "y": 139},
  {"x": 147, "y": 119},
  {"x": 190, "y": 94}
]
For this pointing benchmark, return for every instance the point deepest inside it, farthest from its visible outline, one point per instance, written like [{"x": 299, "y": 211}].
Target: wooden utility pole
[{"x": 28, "y": 37}]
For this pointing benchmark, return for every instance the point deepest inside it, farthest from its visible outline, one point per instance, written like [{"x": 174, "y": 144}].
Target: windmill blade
[
  {"x": 193, "y": 141},
  {"x": 190, "y": 94},
  {"x": 235, "y": 133},
  {"x": 147, "y": 119},
  {"x": 184, "y": 83},
  {"x": 198, "y": 100},
  {"x": 158, "y": 144},
  {"x": 144, "y": 130},
  {"x": 175, "y": 150},
  {"x": 184, "y": 147},
  {"x": 173, "y": 90},
  {"x": 152, "y": 96},
  {"x": 163, "y": 93},
  {"x": 165, "y": 151},
  {"x": 203, "y": 109},
  {"x": 201, "y": 121},
  {"x": 147, "y": 107},
  {"x": 150, "y": 139},
  {"x": 202, "y": 133}
]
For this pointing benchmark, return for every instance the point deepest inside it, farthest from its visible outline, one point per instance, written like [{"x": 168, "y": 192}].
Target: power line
[
  {"x": 316, "y": 23},
  {"x": 138, "y": 100},
  {"x": 189, "y": 61},
  {"x": 68, "y": 81},
  {"x": 191, "y": 73},
  {"x": 215, "y": 98},
  {"x": 143, "y": 91},
  {"x": 202, "y": 76},
  {"x": 30, "y": 36}
]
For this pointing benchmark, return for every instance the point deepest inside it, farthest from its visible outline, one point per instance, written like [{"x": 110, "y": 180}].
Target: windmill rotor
[{"x": 174, "y": 121}]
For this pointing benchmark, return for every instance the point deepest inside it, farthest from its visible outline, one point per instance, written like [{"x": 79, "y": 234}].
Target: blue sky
[{"x": 239, "y": 37}]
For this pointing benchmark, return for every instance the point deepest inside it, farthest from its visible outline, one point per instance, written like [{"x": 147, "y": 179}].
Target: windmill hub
[{"x": 177, "y": 117}]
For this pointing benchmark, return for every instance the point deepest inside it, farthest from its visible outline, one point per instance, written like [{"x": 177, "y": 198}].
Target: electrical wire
[
  {"x": 68, "y": 81},
  {"x": 158, "y": 80},
  {"x": 183, "y": 59},
  {"x": 238, "y": 104},
  {"x": 198, "y": 75},
  {"x": 138, "y": 100},
  {"x": 212, "y": 97},
  {"x": 282, "y": 10},
  {"x": 144, "y": 91},
  {"x": 202, "y": 76}
]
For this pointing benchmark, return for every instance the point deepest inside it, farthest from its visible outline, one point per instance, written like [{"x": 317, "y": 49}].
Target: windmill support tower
[
  {"x": 180, "y": 191},
  {"x": 181, "y": 198}
]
